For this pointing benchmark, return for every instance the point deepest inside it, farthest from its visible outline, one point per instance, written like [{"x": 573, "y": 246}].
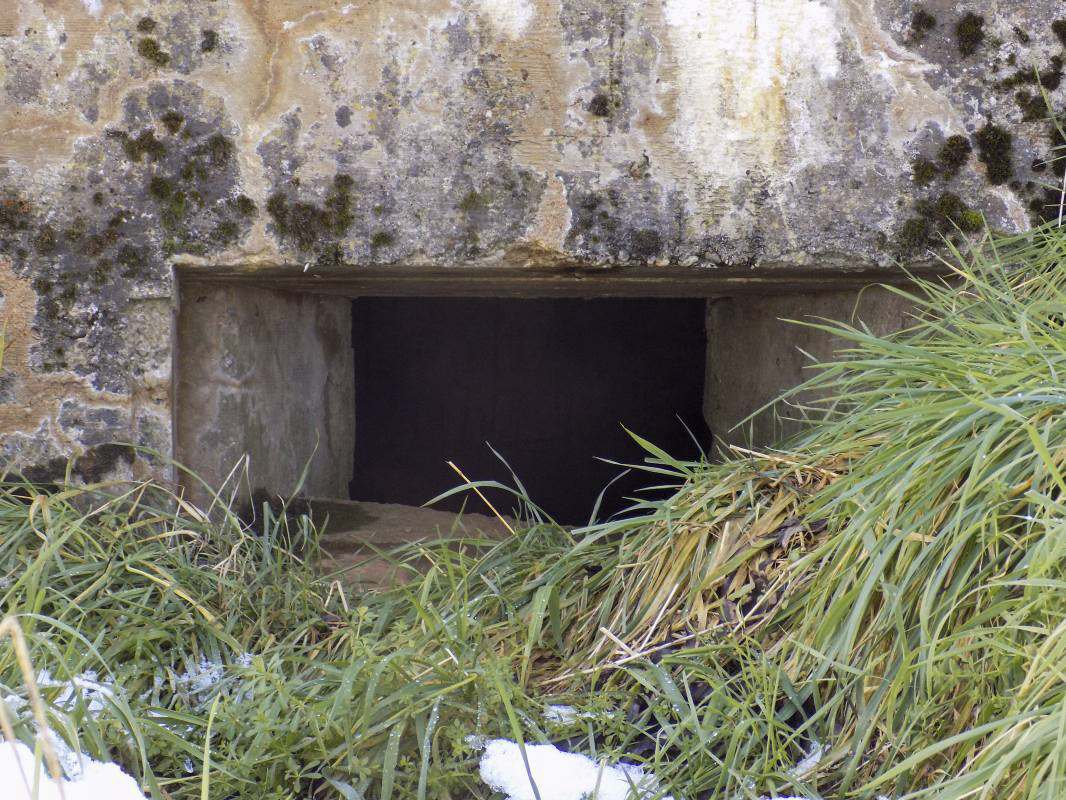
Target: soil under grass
[{"x": 887, "y": 592}]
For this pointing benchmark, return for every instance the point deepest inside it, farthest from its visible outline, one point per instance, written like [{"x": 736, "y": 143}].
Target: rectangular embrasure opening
[{"x": 550, "y": 384}]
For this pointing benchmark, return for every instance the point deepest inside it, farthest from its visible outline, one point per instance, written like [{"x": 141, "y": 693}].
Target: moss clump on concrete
[
  {"x": 937, "y": 219},
  {"x": 131, "y": 260},
  {"x": 95, "y": 244},
  {"x": 174, "y": 210},
  {"x": 148, "y": 48},
  {"x": 98, "y": 198},
  {"x": 218, "y": 149},
  {"x": 1032, "y": 106},
  {"x": 922, "y": 23},
  {"x": 339, "y": 216},
  {"x": 173, "y": 246},
  {"x": 472, "y": 201},
  {"x": 75, "y": 232},
  {"x": 1058, "y": 27},
  {"x": 45, "y": 240},
  {"x": 309, "y": 227},
  {"x": 225, "y": 233},
  {"x": 600, "y": 105},
  {"x": 146, "y": 25},
  {"x": 15, "y": 212},
  {"x": 172, "y": 121},
  {"x": 645, "y": 243},
  {"x": 381, "y": 239},
  {"x": 947, "y": 207},
  {"x": 923, "y": 171},
  {"x": 1050, "y": 78},
  {"x": 970, "y": 33},
  {"x": 193, "y": 169},
  {"x": 145, "y": 144},
  {"x": 246, "y": 205},
  {"x": 101, "y": 272},
  {"x": 914, "y": 235},
  {"x": 994, "y": 151},
  {"x": 160, "y": 188},
  {"x": 208, "y": 40},
  {"x": 954, "y": 154}
]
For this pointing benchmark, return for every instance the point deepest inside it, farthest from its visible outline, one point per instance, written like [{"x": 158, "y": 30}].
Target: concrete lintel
[{"x": 571, "y": 281}]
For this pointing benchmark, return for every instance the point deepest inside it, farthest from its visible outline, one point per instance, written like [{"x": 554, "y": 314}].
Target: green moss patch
[
  {"x": 15, "y": 212},
  {"x": 994, "y": 146},
  {"x": 922, "y": 23},
  {"x": 172, "y": 121},
  {"x": 217, "y": 148},
  {"x": 148, "y": 48},
  {"x": 145, "y": 144},
  {"x": 310, "y": 227},
  {"x": 923, "y": 171},
  {"x": 246, "y": 205},
  {"x": 954, "y": 154},
  {"x": 160, "y": 188},
  {"x": 473, "y": 201},
  {"x": 1058, "y": 27},
  {"x": 937, "y": 218},
  {"x": 970, "y": 33}
]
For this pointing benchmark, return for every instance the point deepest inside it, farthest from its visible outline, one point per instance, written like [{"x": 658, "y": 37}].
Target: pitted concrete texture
[{"x": 304, "y": 135}]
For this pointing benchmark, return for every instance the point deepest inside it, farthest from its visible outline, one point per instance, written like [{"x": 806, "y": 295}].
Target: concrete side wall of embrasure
[
  {"x": 759, "y": 347},
  {"x": 302, "y": 137},
  {"x": 265, "y": 392}
]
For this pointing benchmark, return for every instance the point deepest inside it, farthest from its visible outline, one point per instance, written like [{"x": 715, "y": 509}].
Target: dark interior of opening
[{"x": 549, "y": 383}]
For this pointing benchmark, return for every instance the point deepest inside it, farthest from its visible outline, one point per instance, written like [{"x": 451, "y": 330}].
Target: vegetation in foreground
[{"x": 889, "y": 594}]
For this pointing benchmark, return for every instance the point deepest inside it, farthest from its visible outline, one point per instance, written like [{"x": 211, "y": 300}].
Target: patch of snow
[
  {"x": 98, "y": 779},
  {"x": 86, "y": 686},
  {"x": 195, "y": 684},
  {"x": 559, "y": 775},
  {"x": 810, "y": 762},
  {"x": 94, "y": 7},
  {"x": 565, "y": 715}
]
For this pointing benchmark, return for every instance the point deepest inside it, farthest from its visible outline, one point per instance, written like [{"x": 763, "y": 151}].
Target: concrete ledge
[{"x": 559, "y": 281}]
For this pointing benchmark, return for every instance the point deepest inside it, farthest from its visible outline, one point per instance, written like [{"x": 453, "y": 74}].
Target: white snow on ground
[
  {"x": 810, "y": 762},
  {"x": 99, "y": 781},
  {"x": 565, "y": 715},
  {"x": 559, "y": 775}
]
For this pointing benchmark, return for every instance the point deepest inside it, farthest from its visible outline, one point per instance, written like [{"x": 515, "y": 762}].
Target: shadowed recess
[{"x": 548, "y": 383}]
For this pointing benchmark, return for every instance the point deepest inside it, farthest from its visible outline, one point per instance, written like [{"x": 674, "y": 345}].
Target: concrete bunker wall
[{"x": 709, "y": 149}]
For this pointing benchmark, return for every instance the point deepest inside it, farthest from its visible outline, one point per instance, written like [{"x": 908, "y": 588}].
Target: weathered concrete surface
[
  {"x": 756, "y": 351},
  {"x": 738, "y": 135},
  {"x": 265, "y": 375}
]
